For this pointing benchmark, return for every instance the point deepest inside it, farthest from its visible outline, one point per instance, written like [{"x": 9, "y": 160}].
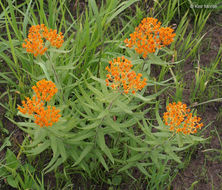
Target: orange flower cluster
[
  {"x": 45, "y": 90},
  {"x": 179, "y": 118},
  {"x": 35, "y": 106},
  {"x": 121, "y": 76},
  {"x": 37, "y": 36},
  {"x": 149, "y": 35}
]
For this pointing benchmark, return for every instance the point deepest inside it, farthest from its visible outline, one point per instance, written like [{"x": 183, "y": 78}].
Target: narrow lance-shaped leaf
[
  {"x": 102, "y": 145},
  {"x": 86, "y": 150}
]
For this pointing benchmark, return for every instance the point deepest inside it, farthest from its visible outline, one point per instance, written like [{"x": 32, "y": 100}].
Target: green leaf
[
  {"x": 139, "y": 149},
  {"x": 126, "y": 167},
  {"x": 86, "y": 150},
  {"x": 151, "y": 97},
  {"x": 144, "y": 99},
  {"x": 169, "y": 151},
  {"x": 101, "y": 159},
  {"x": 58, "y": 163},
  {"x": 12, "y": 181},
  {"x": 83, "y": 99},
  {"x": 134, "y": 158},
  {"x": 39, "y": 137},
  {"x": 27, "y": 124},
  {"x": 181, "y": 148},
  {"x": 143, "y": 170},
  {"x": 101, "y": 140},
  {"x": 123, "y": 106},
  {"x": 94, "y": 90},
  {"x": 101, "y": 81},
  {"x": 102, "y": 145},
  {"x": 113, "y": 124},
  {"x": 92, "y": 126},
  {"x": 179, "y": 140},
  {"x": 81, "y": 136},
  {"x": 103, "y": 114},
  {"x": 154, "y": 59},
  {"x": 159, "y": 120},
  {"x": 6, "y": 143},
  {"x": 40, "y": 148},
  {"x": 94, "y": 7},
  {"x": 154, "y": 158},
  {"x": 197, "y": 139},
  {"x": 42, "y": 65},
  {"x": 124, "y": 5},
  {"x": 167, "y": 50},
  {"x": 116, "y": 180},
  {"x": 62, "y": 150},
  {"x": 162, "y": 134},
  {"x": 11, "y": 160},
  {"x": 88, "y": 99}
]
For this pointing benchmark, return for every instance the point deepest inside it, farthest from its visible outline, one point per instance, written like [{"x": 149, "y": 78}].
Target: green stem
[
  {"x": 172, "y": 73},
  {"x": 109, "y": 107},
  {"x": 22, "y": 147},
  {"x": 143, "y": 64},
  {"x": 56, "y": 77},
  {"x": 164, "y": 141}
]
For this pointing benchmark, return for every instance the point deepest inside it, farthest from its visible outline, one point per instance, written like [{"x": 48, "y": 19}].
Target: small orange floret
[
  {"x": 149, "y": 36},
  {"x": 35, "y": 43},
  {"x": 121, "y": 76},
  {"x": 179, "y": 118},
  {"x": 43, "y": 117}
]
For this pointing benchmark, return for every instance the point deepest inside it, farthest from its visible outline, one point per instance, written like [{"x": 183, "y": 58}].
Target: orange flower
[
  {"x": 37, "y": 36},
  {"x": 35, "y": 106},
  {"x": 45, "y": 90},
  {"x": 47, "y": 117},
  {"x": 179, "y": 118},
  {"x": 121, "y": 77},
  {"x": 30, "y": 106},
  {"x": 149, "y": 35}
]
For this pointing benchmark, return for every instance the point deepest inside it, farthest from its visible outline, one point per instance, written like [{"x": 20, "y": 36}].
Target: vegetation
[{"x": 98, "y": 93}]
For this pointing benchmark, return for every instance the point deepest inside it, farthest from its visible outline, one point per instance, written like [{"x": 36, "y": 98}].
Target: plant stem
[
  {"x": 22, "y": 146},
  {"x": 56, "y": 77},
  {"x": 160, "y": 144},
  {"x": 109, "y": 107},
  {"x": 172, "y": 73}
]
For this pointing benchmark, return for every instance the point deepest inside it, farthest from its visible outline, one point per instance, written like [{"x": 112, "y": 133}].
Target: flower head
[
  {"x": 121, "y": 76},
  {"x": 179, "y": 118},
  {"x": 149, "y": 35},
  {"x": 46, "y": 117},
  {"x": 30, "y": 106},
  {"x": 43, "y": 117},
  {"x": 45, "y": 90},
  {"x": 38, "y": 34}
]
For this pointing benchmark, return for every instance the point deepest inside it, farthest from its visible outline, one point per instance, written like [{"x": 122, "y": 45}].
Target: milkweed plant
[{"x": 102, "y": 120}]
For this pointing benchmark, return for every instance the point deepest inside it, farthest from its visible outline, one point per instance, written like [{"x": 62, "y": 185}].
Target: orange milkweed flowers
[
  {"x": 122, "y": 77},
  {"x": 149, "y": 35},
  {"x": 180, "y": 120},
  {"x": 37, "y": 37},
  {"x": 43, "y": 117},
  {"x": 45, "y": 90}
]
